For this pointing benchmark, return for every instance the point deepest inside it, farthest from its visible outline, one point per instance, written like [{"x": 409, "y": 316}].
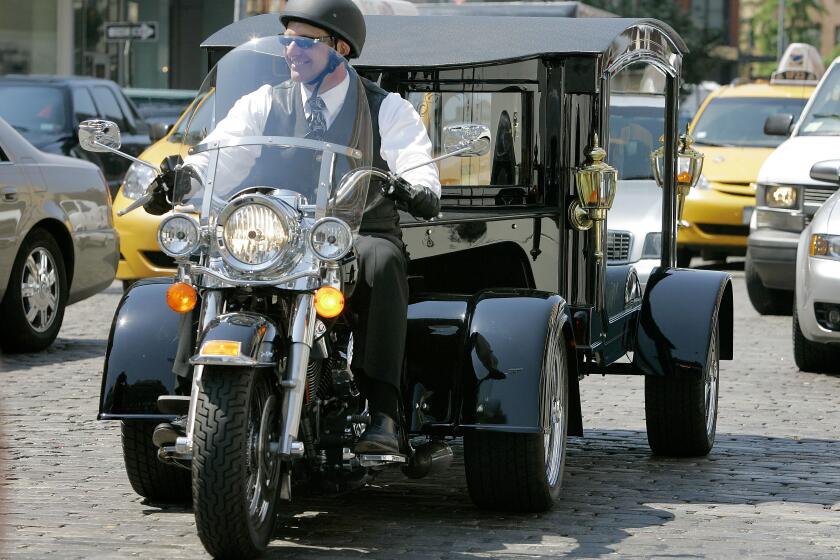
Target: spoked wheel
[
  {"x": 681, "y": 411},
  {"x": 235, "y": 477},
  {"x": 524, "y": 472}
]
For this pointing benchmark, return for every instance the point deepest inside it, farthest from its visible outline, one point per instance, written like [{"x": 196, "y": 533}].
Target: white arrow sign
[{"x": 124, "y": 31}]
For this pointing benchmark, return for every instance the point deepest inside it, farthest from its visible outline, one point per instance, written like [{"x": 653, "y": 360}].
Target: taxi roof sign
[{"x": 801, "y": 63}]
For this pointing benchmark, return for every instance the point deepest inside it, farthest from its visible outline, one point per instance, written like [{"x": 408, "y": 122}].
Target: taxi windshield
[
  {"x": 739, "y": 121},
  {"x": 280, "y": 116}
]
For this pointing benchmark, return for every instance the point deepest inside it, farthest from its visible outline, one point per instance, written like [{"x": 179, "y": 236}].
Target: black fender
[
  {"x": 142, "y": 347},
  {"x": 502, "y": 371},
  {"x": 679, "y": 310},
  {"x": 257, "y": 335}
]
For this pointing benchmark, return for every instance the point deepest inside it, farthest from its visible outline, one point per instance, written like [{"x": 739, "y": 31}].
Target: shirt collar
[{"x": 332, "y": 98}]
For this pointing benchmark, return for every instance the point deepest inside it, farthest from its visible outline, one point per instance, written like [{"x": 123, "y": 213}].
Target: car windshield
[
  {"x": 34, "y": 109},
  {"x": 253, "y": 129},
  {"x": 823, "y": 116},
  {"x": 739, "y": 121}
]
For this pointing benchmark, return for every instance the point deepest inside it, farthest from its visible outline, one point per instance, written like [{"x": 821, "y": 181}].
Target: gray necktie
[{"x": 317, "y": 118}]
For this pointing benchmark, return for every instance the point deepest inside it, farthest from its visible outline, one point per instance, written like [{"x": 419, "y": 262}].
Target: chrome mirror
[
  {"x": 99, "y": 136},
  {"x": 466, "y": 140}
]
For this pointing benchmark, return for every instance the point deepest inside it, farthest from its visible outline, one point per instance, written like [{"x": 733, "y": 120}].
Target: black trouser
[{"x": 380, "y": 302}]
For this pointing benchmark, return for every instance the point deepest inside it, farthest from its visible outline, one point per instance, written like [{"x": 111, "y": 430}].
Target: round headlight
[
  {"x": 178, "y": 235},
  {"x": 330, "y": 239},
  {"x": 255, "y": 232},
  {"x": 137, "y": 180}
]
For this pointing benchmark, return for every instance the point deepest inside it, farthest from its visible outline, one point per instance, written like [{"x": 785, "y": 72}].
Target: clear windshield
[
  {"x": 739, "y": 121},
  {"x": 283, "y": 117},
  {"x": 823, "y": 116}
]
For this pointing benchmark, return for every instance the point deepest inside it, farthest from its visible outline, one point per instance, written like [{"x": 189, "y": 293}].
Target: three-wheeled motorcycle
[{"x": 246, "y": 352}]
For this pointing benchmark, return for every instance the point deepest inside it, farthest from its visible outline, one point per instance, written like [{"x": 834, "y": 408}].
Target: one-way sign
[{"x": 125, "y": 31}]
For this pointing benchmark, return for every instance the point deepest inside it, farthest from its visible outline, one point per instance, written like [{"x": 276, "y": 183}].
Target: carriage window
[
  {"x": 636, "y": 124},
  {"x": 497, "y": 178}
]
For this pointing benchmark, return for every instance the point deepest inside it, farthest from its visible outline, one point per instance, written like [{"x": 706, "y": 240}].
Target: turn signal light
[
  {"x": 329, "y": 302},
  {"x": 181, "y": 297},
  {"x": 220, "y": 348}
]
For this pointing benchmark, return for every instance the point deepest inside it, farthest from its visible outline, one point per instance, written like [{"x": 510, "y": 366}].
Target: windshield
[
  {"x": 34, "y": 108},
  {"x": 823, "y": 116},
  {"x": 284, "y": 118},
  {"x": 739, "y": 121}
]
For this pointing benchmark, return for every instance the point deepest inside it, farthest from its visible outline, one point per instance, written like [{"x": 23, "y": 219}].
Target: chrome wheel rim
[
  {"x": 263, "y": 468},
  {"x": 554, "y": 408},
  {"x": 39, "y": 289},
  {"x": 711, "y": 385}
]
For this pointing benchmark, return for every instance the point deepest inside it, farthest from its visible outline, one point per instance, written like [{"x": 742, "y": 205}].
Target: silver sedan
[{"x": 58, "y": 244}]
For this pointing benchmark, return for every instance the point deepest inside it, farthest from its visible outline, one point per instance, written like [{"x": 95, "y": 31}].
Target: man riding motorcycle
[{"x": 329, "y": 28}]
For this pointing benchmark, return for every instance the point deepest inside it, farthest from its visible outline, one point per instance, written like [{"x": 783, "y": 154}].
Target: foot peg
[{"x": 369, "y": 460}]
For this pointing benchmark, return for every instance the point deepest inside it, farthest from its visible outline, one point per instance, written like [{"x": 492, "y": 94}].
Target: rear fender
[
  {"x": 256, "y": 335},
  {"x": 679, "y": 311}
]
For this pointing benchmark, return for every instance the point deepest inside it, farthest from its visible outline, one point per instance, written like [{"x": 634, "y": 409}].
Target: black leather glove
[
  {"x": 163, "y": 187},
  {"x": 418, "y": 200}
]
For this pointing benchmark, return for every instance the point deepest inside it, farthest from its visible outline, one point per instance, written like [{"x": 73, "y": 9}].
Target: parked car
[
  {"x": 729, "y": 130},
  {"x": 48, "y": 109},
  {"x": 58, "y": 244},
  {"x": 816, "y": 310},
  {"x": 787, "y": 197}
]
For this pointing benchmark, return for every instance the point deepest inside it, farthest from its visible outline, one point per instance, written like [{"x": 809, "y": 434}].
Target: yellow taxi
[
  {"x": 729, "y": 129},
  {"x": 140, "y": 254}
]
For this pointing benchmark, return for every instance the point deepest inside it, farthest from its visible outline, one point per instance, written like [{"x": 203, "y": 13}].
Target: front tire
[
  {"x": 33, "y": 307},
  {"x": 767, "y": 301},
  {"x": 810, "y": 356},
  {"x": 524, "y": 472},
  {"x": 681, "y": 411},
  {"x": 149, "y": 477},
  {"x": 234, "y": 477}
]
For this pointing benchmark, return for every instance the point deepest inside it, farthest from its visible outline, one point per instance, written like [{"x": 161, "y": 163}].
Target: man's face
[{"x": 306, "y": 64}]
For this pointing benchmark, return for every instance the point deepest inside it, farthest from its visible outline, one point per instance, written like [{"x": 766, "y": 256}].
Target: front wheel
[
  {"x": 812, "y": 356},
  {"x": 235, "y": 477},
  {"x": 681, "y": 411},
  {"x": 524, "y": 472},
  {"x": 767, "y": 301}
]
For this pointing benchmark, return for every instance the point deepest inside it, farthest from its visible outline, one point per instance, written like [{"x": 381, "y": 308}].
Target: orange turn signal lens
[
  {"x": 220, "y": 348},
  {"x": 684, "y": 178},
  {"x": 181, "y": 297},
  {"x": 329, "y": 302}
]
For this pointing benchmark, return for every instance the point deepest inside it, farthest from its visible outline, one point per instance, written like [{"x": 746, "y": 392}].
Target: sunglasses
[{"x": 304, "y": 42}]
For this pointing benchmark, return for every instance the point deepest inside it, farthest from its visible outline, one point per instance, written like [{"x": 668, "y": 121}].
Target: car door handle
[{"x": 9, "y": 194}]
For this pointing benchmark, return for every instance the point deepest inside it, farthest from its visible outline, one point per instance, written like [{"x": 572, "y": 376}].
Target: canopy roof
[{"x": 457, "y": 41}]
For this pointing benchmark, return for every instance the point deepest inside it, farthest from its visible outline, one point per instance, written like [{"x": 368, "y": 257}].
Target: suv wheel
[{"x": 767, "y": 301}]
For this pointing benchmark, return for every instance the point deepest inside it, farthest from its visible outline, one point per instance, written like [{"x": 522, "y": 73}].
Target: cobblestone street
[{"x": 769, "y": 489}]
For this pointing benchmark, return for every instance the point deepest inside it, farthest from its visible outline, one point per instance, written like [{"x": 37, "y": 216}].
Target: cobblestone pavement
[{"x": 770, "y": 488}]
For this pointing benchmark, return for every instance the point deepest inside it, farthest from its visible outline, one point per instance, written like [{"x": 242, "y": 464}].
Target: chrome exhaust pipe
[{"x": 431, "y": 457}]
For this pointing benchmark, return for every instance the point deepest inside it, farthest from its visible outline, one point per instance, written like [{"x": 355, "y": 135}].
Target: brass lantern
[
  {"x": 689, "y": 167},
  {"x": 596, "y": 182}
]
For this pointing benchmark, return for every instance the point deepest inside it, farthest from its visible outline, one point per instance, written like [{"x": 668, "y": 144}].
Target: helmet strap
[{"x": 334, "y": 62}]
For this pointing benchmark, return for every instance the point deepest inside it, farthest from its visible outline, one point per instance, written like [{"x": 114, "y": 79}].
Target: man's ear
[{"x": 343, "y": 48}]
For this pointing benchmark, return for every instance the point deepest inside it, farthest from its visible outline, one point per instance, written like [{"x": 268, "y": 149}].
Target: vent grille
[
  {"x": 816, "y": 196},
  {"x": 618, "y": 246}
]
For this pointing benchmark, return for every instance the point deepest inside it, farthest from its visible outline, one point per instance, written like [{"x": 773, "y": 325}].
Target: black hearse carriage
[{"x": 512, "y": 303}]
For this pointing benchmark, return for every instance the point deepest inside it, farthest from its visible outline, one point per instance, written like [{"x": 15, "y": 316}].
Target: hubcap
[
  {"x": 711, "y": 385},
  {"x": 263, "y": 466},
  {"x": 554, "y": 408},
  {"x": 39, "y": 289}
]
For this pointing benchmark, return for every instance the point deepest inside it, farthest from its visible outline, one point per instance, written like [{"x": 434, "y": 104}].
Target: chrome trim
[
  {"x": 302, "y": 329},
  {"x": 280, "y": 141},
  {"x": 227, "y": 361},
  {"x": 196, "y": 269}
]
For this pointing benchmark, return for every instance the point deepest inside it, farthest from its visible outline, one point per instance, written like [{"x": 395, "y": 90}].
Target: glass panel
[
  {"x": 28, "y": 37},
  {"x": 636, "y": 124},
  {"x": 823, "y": 116},
  {"x": 34, "y": 109},
  {"x": 83, "y": 106},
  {"x": 108, "y": 105},
  {"x": 740, "y": 121}
]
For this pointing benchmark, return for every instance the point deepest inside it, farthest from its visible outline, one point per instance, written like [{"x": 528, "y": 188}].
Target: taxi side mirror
[
  {"x": 778, "y": 125},
  {"x": 828, "y": 171}
]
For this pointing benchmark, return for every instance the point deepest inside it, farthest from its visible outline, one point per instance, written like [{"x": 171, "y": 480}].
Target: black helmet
[{"x": 341, "y": 18}]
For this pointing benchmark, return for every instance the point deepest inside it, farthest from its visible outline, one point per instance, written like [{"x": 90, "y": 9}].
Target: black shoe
[
  {"x": 167, "y": 432},
  {"x": 380, "y": 438}
]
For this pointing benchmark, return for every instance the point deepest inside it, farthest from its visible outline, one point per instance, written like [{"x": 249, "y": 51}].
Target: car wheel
[
  {"x": 33, "y": 307},
  {"x": 813, "y": 356},
  {"x": 767, "y": 301}
]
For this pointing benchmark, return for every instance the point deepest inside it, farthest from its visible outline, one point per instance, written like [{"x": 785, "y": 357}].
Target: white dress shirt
[{"x": 404, "y": 141}]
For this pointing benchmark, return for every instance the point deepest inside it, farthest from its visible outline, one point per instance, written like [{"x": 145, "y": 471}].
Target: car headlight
[
  {"x": 825, "y": 246},
  {"x": 256, "y": 232},
  {"x": 330, "y": 238},
  {"x": 137, "y": 180},
  {"x": 652, "y": 248},
  {"x": 781, "y": 196},
  {"x": 178, "y": 235}
]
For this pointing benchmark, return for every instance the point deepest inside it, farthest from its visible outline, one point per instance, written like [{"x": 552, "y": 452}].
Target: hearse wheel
[
  {"x": 524, "y": 472},
  {"x": 149, "y": 477},
  {"x": 235, "y": 477},
  {"x": 681, "y": 411}
]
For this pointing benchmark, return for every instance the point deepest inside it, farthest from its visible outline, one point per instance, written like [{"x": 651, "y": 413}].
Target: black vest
[{"x": 287, "y": 118}]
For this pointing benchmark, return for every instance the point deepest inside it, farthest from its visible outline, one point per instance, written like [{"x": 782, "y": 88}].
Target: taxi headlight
[
  {"x": 255, "y": 232},
  {"x": 178, "y": 235},
  {"x": 137, "y": 180},
  {"x": 330, "y": 238},
  {"x": 781, "y": 196}
]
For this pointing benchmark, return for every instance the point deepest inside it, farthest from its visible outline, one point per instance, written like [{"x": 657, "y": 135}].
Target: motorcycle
[{"x": 256, "y": 389}]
